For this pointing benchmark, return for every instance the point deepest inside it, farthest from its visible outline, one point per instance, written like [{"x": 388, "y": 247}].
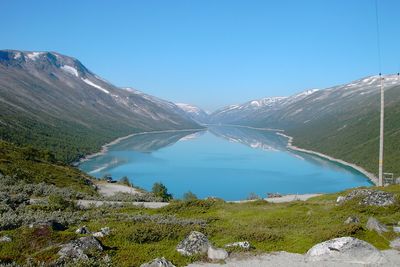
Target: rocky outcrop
[
  {"x": 369, "y": 197},
  {"x": 345, "y": 249},
  {"x": 395, "y": 243},
  {"x": 352, "y": 219},
  {"x": 244, "y": 245},
  {"x": 78, "y": 249},
  {"x": 159, "y": 262},
  {"x": 374, "y": 225},
  {"x": 216, "y": 253},
  {"x": 194, "y": 243},
  {"x": 53, "y": 224}
]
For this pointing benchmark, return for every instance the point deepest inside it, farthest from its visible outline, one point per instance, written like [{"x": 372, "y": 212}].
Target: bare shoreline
[
  {"x": 290, "y": 145},
  {"x": 104, "y": 148}
]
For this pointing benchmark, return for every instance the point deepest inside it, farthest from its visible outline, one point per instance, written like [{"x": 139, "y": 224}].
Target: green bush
[
  {"x": 160, "y": 190},
  {"x": 153, "y": 232},
  {"x": 57, "y": 202},
  {"x": 188, "y": 196}
]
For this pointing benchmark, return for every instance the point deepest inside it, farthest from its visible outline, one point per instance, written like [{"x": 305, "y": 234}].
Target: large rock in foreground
[
  {"x": 374, "y": 225},
  {"x": 78, "y": 249},
  {"x": 369, "y": 197},
  {"x": 345, "y": 249},
  {"x": 194, "y": 243}
]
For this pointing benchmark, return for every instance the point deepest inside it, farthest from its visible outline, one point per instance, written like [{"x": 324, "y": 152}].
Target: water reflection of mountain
[
  {"x": 150, "y": 142},
  {"x": 266, "y": 140}
]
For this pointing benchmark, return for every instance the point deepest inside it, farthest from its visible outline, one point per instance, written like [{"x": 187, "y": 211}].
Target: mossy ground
[{"x": 292, "y": 227}]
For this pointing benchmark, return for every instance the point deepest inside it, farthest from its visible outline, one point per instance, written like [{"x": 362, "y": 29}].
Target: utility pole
[{"x": 380, "y": 182}]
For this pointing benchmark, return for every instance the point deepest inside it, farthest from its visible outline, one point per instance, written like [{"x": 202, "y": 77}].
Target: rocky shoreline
[{"x": 290, "y": 145}]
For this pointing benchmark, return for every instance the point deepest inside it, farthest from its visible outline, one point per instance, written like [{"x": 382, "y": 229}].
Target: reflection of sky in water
[{"x": 226, "y": 162}]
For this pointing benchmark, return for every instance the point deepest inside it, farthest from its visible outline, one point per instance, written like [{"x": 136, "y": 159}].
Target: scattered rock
[
  {"x": 374, "y": 225},
  {"x": 216, "y": 253},
  {"x": 78, "y": 249},
  {"x": 103, "y": 232},
  {"x": 5, "y": 238},
  {"x": 395, "y": 243},
  {"x": 83, "y": 230},
  {"x": 396, "y": 229},
  {"x": 53, "y": 224},
  {"x": 369, "y": 197},
  {"x": 345, "y": 249},
  {"x": 245, "y": 245},
  {"x": 352, "y": 219},
  {"x": 159, "y": 262},
  {"x": 194, "y": 243}
]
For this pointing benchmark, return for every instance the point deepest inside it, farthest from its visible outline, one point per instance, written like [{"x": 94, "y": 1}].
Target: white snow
[
  {"x": 17, "y": 55},
  {"x": 70, "y": 70},
  {"x": 189, "y": 108},
  {"x": 34, "y": 55},
  {"x": 89, "y": 82}
]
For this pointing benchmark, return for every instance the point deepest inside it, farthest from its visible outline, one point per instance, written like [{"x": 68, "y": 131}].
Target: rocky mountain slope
[
  {"x": 54, "y": 102},
  {"x": 342, "y": 121},
  {"x": 195, "y": 113}
]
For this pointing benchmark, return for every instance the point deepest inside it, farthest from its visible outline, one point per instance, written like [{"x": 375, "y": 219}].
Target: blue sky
[{"x": 211, "y": 52}]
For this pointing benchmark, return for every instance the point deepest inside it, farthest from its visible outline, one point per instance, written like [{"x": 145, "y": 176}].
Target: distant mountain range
[
  {"x": 54, "y": 102},
  {"x": 341, "y": 121}
]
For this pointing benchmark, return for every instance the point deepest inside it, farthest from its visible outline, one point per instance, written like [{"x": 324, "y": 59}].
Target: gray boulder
[
  {"x": 369, "y": 197},
  {"x": 53, "y": 224},
  {"x": 78, "y": 249},
  {"x": 345, "y": 249},
  {"x": 5, "y": 238},
  {"x": 374, "y": 225},
  {"x": 194, "y": 243},
  {"x": 244, "y": 245},
  {"x": 83, "y": 230},
  {"x": 395, "y": 243},
  {"x": 352, "y": 219},
  {"x": 216, "y": 253},
  {"x": 396, "y": 229},
  {"x": 159, "y": 262},
  {"x": 103, "y": 232}
]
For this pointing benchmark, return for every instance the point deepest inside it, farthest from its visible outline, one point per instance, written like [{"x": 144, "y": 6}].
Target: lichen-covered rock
[
  {"x": 216, "y": 253},
  {"x": 374, "y": 225},
  {"x": 53, "y": 224},
  {"x": 244, "y": 245},
  {"x": 345, "y": 249},
  {"x": 103, "y": 232},
  {"x": 5, "y": 238},
  {"x": 395, "y": 243},
  {"x": 159, "y": 262},
  {"x": 78, "y": 249},
  {"x": 352, "y": 219},
  {"x": 194, "y": 243},
  {"x": 369, "y": 197}
]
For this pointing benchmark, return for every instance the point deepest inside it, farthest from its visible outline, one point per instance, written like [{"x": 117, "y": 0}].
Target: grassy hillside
[
  {"x": 139, "y": 235},
  {"x": 353, "y": 135},
  {"x": 35, "y": 166}
]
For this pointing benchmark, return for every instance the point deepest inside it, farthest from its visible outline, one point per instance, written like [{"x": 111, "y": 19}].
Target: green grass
[
  {"x": 35, "y": 166},
  {"x": 293, "y": 227}
]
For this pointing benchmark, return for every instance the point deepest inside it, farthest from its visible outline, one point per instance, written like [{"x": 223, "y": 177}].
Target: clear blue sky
[{"x": 211, "y": 52}]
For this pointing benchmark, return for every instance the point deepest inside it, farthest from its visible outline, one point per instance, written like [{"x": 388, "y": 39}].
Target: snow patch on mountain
[
  {"x": 34, "y": 55},
  {"x": 89, "y": 82},
  {"x": 70, "y": 70}
]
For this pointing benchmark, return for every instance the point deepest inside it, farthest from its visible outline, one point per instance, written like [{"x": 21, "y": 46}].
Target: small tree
[
  {"x": 253, "y": 196},
  {"x": 125, "y": 180},
  {"x": 188, "y": 196},
  {"x": 160, "y": 190}
]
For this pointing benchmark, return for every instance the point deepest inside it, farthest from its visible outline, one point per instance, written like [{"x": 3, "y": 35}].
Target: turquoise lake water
[{"x": 225, "y": 162}]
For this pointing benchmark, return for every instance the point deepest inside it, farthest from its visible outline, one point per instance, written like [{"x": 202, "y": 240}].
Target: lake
[{"x": 224, "y": 162}]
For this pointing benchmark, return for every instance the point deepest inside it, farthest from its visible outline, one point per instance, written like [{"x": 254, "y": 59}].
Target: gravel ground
[
  {"x": 109, "y": 189},
  {"x": 390, "y": 258}
]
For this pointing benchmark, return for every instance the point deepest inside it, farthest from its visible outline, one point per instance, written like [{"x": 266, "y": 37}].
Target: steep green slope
[
  {"x": 353, "y": 135},
  {"x": 37, "y": 166},
  {"x": 53, "y": 102}
]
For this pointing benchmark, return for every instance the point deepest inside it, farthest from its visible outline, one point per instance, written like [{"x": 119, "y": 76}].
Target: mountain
[
  {"x": 54, "y": 102},
  {"x": 341, "y": 121},
  {"x": 195, "y": 113}
]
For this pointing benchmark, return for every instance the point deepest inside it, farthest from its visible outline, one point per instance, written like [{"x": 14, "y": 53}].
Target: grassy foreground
[{"x": 139, "y": 235}]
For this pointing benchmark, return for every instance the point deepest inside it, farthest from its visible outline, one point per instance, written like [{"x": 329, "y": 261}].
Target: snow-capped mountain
[
  {"x": 194, "y": 112},
  {"x": 54, "y": 92}
]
